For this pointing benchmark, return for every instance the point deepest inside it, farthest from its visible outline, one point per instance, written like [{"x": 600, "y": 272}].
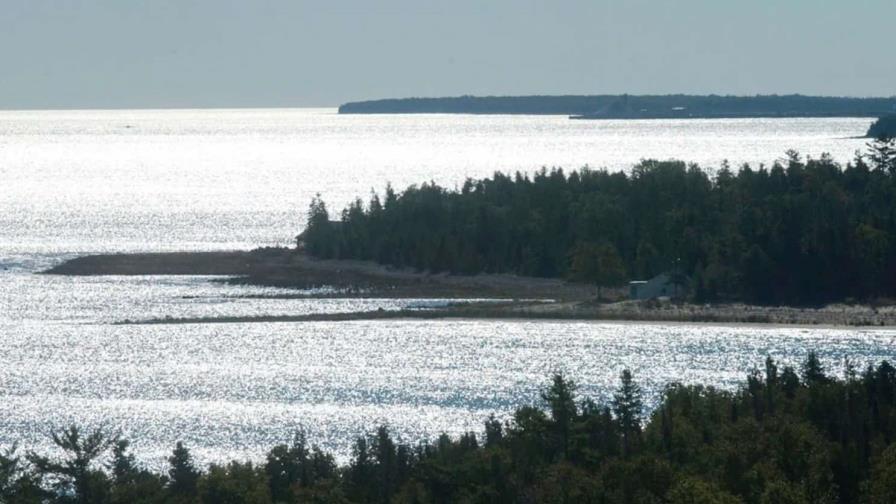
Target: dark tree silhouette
[
  {"x": 76, "y": 472},
  {"x": 560, "y": 398},
  {"x": 801, "y": 231},
  {"x": 182, "y": 474},
  {"x": 597, "y": 264},
  {"x": 628, "y": 407},
  {"x": 884, "y": 127},
  {"x": 882, "y": 154},
  {"x": 775, "y": 438}
]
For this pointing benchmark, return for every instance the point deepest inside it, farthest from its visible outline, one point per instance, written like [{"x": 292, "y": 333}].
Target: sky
[{"x": 297, "y": 53}]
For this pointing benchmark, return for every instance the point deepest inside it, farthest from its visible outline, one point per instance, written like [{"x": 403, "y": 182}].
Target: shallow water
[
  {"x": 89, "y": 181},
  {"x": 53, "y": 299}
]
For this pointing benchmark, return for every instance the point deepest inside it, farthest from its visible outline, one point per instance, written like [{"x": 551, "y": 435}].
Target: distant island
[
  {"x": 885, "y": 127},
  {"x": 634, "y": 106}
]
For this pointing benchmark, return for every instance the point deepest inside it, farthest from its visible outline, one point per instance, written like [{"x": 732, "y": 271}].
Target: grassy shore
[
  {"x": 279, "y": 267},
  {"x": 555, "y": 299}
]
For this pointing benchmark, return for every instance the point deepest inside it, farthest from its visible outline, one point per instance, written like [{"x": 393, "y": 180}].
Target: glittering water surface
[
  {"x": 86, "y": 181},
  {"x": 55, "y": 299},
  {"x": 233, "y": 390}
]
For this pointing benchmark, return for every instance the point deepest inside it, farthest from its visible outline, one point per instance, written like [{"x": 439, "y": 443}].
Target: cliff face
[{"x": 885, "y": 127}]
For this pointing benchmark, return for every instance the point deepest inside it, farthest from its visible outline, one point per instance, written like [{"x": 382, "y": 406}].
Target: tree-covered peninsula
[
  {"x": 787, "y": 436},
  {"x": 634, "y": 106},
  {"x": 885, "y": 127},
  {"x": 800, "y": 231}
]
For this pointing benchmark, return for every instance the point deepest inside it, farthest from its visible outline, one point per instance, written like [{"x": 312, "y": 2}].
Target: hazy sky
[{"x": 201, "y": 53}]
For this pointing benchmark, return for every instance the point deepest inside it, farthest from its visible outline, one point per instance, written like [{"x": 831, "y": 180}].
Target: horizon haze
[{"x": 198, "y": 54}]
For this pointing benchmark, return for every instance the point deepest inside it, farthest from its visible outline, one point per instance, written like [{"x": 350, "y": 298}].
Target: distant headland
[{"x": 634, "y": 106}]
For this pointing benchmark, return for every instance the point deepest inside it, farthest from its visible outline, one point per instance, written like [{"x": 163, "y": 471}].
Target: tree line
[
  {"x": 883, "y": 128},
  {"x": 800, "y": 231},
  {"x": 625, "y": 106},
  {"x": 785, "y": 436}
]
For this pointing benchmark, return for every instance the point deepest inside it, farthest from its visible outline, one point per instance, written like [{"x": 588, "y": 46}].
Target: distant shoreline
[
  {"x": 635, "y": 106},
  {"x": 533, "y": 298},
  {"x": 517, "y": 312}
]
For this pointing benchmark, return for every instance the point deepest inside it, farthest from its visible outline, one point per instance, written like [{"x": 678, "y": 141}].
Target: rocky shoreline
[
  {"x": 280, "y": 267},
  {"x": 532, "y": 298},
  {"x": 830, "y": 316}
]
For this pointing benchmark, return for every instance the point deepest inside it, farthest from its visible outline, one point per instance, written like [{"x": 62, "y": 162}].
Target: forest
[
  {"x": 796, "y": 232},
  {"x": 885, "y": 127},
  {"x": 634, "y": 106},
  {"x": 784, "y": 436}
]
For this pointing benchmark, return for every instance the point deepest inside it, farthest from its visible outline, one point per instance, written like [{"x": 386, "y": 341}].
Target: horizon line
[{"x": 75, "y": 108}]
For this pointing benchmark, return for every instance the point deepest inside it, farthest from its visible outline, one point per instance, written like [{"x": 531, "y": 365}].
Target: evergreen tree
[
  {"x": 385, "y": 459},
  {"x": 628, "y": 408},
  {"x": 123, "y": 466},
  {"x": 882, "y": 154},
  {"x": 494, "y": 433},
  {"x": 560, "y": 398},
  {"x": 17, "y": 483},
  {"x": 76, "y": 473},
  {"x": 360, "y": 472},
  {"x": 813, "y": 371},
  {"x": 319, "y": 237},
  {"x": 287, "y": 466},
  {"x": 182, "y": 474}
]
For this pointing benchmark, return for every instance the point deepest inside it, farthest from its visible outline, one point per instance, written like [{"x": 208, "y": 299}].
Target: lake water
[{"x": 98, "y": 181}]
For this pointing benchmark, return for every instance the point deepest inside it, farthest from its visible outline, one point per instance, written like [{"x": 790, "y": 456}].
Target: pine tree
[
  {"x": 182, "y": 474},
  {"x": 813, "y": 371},
  {"x": 560, "y": 398},
  {"x": 319, "y": 237},
  {"x": 882, "y": 154},
  {"x": 628, "y": 408},
  {"x": 384, "y": 454},
  {"x": 123, "y": 466},
  {"x": 75, "y": 473},
  {"x": 493, "y": 431},
  {"x": 771, "y": 383}
]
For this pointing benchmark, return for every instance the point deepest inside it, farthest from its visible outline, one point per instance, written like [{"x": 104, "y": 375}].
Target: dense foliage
[
  {"x": 797, "y": 232},
  {"x": 885, "y": 127},
  {"x": 625, "y": 106},
  {"x": 783, "y": 437}
]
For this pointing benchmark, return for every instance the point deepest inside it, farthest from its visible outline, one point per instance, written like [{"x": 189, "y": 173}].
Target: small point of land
[{"x": 524, "y": 297}]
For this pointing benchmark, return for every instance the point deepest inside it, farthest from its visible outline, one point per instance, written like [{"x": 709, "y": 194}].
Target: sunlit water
[
  {"x": 233, "y": 390},
  {"x": 81, "y": 182},
  {"x": 126, "y": 180}
]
